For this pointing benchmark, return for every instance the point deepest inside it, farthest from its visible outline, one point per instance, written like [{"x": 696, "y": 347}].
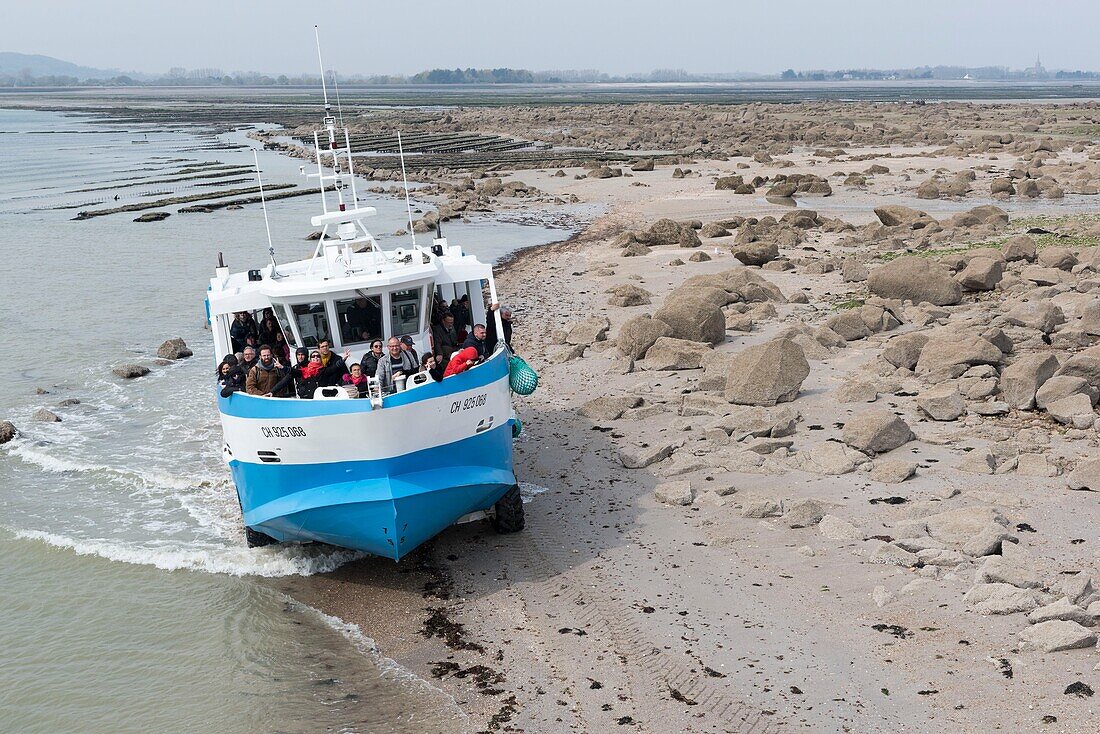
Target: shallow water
[{"x": 129, "y": 602}]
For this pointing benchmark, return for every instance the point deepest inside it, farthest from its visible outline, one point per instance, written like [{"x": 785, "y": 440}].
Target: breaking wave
[
  {"x": 293, "y": 560},
  {"x": 59, "y": 465}
]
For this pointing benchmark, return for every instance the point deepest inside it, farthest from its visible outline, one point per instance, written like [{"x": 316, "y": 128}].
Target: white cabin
[
  {"x": 350, "y": 297},
  {"x": 351, "y": 291}
]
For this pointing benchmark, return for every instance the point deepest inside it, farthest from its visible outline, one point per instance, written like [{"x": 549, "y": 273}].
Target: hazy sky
[{"x": 614, "y": 36}]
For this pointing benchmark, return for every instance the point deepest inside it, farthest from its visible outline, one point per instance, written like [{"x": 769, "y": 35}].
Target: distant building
[{"x": 1038, "y": 71}]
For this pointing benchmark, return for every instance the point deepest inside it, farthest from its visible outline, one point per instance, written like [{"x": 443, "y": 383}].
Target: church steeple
[{"x": 1037, "y": 71}]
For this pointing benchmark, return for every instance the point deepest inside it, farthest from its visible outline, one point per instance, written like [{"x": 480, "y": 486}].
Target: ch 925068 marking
[
  {"x": 473, "y": 402},
  {"x": 283, "y": 431}
]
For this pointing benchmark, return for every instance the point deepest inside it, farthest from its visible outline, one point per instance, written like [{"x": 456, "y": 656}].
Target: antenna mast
[
  {"x": 339, "y": 107},
  {"x": 324, "y": 89},
  {"x": 263, "y": 203},
  {"x": 330, "y": 121},
  {"x": 330, "y": 126},
  {"x": 408, "y": 206},
  {"x": 347, "y": 221}
]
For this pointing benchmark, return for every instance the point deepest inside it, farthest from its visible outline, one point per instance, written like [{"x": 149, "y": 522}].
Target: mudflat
[{"x": 817, "y": 433}]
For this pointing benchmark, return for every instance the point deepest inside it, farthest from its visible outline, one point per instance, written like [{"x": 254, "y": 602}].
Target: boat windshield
[
  {"x": 312, "y": 322},
  {"x": 360, "y": 319},
  {"x": 284, "y": 324},
  {"x": 405, "y": 311}
]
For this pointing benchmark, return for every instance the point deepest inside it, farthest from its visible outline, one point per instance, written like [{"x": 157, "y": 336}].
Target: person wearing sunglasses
[
  {"x": 369, "y": 363},
  {"x": 305, "y": 372}
]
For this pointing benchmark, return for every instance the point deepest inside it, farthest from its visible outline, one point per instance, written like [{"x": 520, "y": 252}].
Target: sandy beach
[
  {"x": 815, "y": 442},
  {"x": 704, "y": 561}
]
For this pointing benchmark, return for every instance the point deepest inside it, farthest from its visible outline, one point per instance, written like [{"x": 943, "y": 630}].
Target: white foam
[
  {"x": 61, "y": 465},
  {"x": 50, "y": 463},
  {"x": 272, "y": 561},
  {"x": 352, "y": 632},
  {"x": 214, "y": 507}
]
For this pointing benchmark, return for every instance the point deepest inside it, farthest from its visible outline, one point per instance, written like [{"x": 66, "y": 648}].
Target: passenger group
[{"x": 261, "y": 364}]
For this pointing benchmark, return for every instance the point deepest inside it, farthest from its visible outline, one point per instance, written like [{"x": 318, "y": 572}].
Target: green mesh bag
[
  {"x": 522, "y": 379},
  {"x": 517, "y": 428}
]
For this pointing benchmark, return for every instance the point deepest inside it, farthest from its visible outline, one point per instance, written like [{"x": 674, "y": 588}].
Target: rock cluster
[
  {"x": 766, "y": 374},
  {"x": 932, "y": 359},
  {"x": 130, "y": 371},
  {"x": 174, "y": 349},
  {"x": 915, "y": 279}
]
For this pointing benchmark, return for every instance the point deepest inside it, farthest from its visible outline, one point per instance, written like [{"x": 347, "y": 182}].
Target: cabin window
[
  {"x": 360, "y": 319},
  {"x": 223, "y": 343},
  {"x": 405, "y": 312},
  {"x": 284, "y": 324},
  {"x": 312, "y": 320}
]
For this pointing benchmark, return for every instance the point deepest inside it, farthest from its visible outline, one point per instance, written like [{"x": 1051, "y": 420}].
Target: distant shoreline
[{"x": 741, "y": 92}]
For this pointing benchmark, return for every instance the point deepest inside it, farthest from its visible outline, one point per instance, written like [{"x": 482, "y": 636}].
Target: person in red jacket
[{"x": 462, "y": 360}]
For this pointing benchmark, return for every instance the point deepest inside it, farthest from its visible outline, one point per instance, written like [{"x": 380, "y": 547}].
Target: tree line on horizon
[
  {"x": 469, "y": 75},
  {"x": 505, "y": 75},
  {"x": 939, "y": 73}
]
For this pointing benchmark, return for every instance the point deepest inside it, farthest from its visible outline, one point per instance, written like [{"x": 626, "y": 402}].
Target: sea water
[{"x": 128, "y": 600}]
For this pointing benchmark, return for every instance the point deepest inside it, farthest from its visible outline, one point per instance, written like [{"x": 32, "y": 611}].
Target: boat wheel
[
  {"x": 508, "y": 512},
  {"x": 256, "y": 539}
]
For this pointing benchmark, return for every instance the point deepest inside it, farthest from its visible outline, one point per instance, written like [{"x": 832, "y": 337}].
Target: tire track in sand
[{"x": 558, "y": 594}]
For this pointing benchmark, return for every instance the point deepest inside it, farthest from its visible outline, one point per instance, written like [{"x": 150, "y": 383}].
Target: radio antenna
[
  {"x": 339, "y": 107},
  {"x": 263, "y": 203},
  {"x": 408, "y": 206},
  {"x": 324, "y": 89}
]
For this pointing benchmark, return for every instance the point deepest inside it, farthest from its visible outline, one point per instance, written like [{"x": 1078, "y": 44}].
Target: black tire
[
  {"x": 508, "y": 512},
  {"x": 256, "y": 539}
]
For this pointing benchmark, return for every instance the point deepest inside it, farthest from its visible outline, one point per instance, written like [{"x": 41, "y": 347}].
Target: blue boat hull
[
  {"x": 381, "y": 503},
  {"x": 386, "y": 507}
]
